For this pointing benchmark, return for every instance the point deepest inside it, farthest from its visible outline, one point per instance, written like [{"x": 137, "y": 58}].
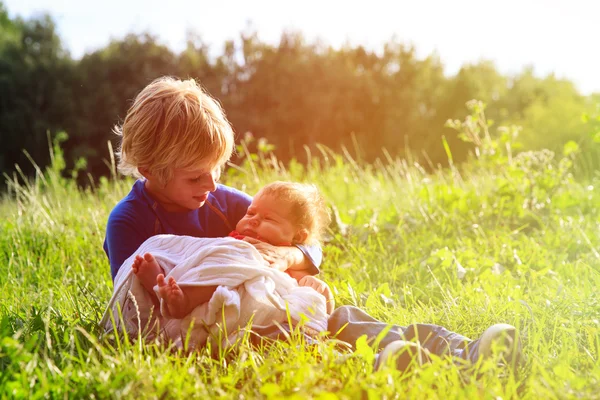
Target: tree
[
  {"x": 548, "y": 109},
  {"x": 35, "y": 75},
  {"x": 105, "y": 83}
]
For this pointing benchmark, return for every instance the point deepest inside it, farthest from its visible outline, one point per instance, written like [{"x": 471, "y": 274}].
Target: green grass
[{"x": 502, "y": 239}]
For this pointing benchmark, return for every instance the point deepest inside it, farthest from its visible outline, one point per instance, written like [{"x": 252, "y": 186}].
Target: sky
[{"x": 551, "y": 36}]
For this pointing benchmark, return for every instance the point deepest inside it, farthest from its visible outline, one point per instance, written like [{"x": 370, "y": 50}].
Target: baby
[{"x": 281, "y": 214}]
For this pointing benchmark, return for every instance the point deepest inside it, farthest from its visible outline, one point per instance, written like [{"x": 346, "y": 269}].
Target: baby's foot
[
  {"x": 146, "y": 269},
  {"x": 171, "y": 293}
]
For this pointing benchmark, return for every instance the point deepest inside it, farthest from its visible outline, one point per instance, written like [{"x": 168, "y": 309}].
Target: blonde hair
[
  {"x": 173, "y": 124},
  {"x": 309, "y": 209}
]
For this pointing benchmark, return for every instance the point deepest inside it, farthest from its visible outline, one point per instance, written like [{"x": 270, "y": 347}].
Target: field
[{"x": 503, "y": 238}]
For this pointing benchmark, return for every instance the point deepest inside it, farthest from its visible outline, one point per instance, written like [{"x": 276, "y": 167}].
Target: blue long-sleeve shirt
[{"x": 138, "y": 216}]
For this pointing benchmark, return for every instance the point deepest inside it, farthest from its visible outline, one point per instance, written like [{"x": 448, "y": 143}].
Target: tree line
[{"x": 294, "y": 93}]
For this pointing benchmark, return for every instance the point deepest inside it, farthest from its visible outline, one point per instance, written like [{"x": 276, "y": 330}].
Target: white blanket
[{"x": 247, "y": 291}]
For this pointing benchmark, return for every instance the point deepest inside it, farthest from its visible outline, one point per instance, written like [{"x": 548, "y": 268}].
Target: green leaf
[
  {"x": 270, "y": 390},
  {"x": 570, "y": 148},
  {"x": 585, "y": 118},
  {"x": 364, "y": 350}
]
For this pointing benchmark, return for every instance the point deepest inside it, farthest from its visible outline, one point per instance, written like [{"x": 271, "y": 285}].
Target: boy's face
[
  {"x": 269, "y": 220},
  {"x": 187, "y": 190}
]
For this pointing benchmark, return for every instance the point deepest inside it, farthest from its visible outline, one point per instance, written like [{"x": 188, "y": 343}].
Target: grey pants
[{"x": 348, "y": 323}]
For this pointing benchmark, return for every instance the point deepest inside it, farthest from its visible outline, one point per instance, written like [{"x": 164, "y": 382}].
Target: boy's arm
[
  {"x": 313, "y": 256},
  {"x": 122, "y": 240},
  {"x": 322, "y": 288},
  {"x": 286, "y": 258},
  {"x": 297, "y": 274}
]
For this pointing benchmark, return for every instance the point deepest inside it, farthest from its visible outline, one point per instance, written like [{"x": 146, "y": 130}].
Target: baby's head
[
  {"x": 286, "y": 212},
  {"x": 173, "y": 125}
]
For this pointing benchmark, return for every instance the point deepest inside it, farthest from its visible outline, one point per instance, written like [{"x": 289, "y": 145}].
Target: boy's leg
[
  {"x": 349, "y": 323},
  {"x": 281, "y": 332},
  {"x": 500, "y": 341},
  {"x": 353, "y": 323}
]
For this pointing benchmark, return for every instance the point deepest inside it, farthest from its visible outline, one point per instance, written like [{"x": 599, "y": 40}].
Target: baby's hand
[
  {"x": 321, "y": 287},
  {"x": 273, "y": 256}
]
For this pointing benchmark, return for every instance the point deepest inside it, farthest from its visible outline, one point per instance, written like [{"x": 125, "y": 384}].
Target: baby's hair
[
  {"x": 173, "y": 124},
  {"x": 309, "y": 209}
]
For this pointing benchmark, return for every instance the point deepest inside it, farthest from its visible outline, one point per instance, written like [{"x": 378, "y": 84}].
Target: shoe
[
  {"x": 501, "y": 340},
  {"x": 404, "y": 354}
]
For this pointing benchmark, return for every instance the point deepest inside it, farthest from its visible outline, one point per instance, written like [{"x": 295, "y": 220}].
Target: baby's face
[{"x": 269, "y": 220}]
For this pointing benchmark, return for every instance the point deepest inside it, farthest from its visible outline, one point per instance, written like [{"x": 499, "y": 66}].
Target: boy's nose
[
  {"x": 212, "y": 183},
  {"x": 254, "y": 221}
]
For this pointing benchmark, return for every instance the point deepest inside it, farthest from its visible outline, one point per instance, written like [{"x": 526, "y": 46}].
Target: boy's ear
[
  {"x": 150, "y": 177},
  {"x": 301, "y": 236},
  {"x": 146, "y": 173}
]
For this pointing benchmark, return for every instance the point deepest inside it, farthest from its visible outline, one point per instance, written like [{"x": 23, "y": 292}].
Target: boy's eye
[
  {"x": 197, "y": 178},
  {"x": 206, "y": 177}
]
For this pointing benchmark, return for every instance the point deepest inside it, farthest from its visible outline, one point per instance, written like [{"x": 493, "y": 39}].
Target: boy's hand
[
  {"x": 321, "y": 287},
  {"x": 278, "y": 257}
]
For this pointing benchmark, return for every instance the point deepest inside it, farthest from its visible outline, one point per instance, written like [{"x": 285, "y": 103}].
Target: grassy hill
[{"x": 504, "y": 238}]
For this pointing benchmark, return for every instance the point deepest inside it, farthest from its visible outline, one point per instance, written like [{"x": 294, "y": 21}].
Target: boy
[
  {"x": 177, "y": 138},
  {"x": 282, "y": 214}
]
